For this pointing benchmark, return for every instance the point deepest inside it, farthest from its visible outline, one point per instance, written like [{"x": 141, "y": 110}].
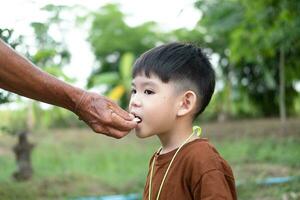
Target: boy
[{"x": 172, "y": 84}]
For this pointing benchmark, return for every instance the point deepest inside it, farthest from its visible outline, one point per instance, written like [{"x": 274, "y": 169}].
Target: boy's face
[{"x": 155, "y": 103}]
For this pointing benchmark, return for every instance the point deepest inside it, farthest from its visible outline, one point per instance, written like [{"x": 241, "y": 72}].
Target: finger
[
  {"x": 109, "y": 131},
  {"x": 122, "y": 113},
  {"x": 98, "y": 129},
  {"x": 117, "y": 133},
  {"x": 121, "y": 124}
]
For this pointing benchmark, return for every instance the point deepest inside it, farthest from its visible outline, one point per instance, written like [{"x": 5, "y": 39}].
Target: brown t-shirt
[{"x": 198, "y": 172}]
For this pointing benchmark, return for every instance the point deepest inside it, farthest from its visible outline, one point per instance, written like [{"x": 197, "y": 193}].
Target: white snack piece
[{"x": 137, "y": 119}]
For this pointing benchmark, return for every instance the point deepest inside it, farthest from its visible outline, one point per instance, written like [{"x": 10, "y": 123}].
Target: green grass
[
  {"x": 269, "y": 149},
  {"x": 255, "y": 159},
  {"x": 75, "y": 163},
  {"x": 72, "y": 163},
  {"x": 110, "y": 162}
]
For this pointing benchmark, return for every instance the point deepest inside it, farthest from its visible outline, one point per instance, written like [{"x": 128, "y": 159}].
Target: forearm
[{"x": 20, "y": 76}]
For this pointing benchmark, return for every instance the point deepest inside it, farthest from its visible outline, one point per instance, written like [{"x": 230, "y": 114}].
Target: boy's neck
[{"x": 174, "y": 138}]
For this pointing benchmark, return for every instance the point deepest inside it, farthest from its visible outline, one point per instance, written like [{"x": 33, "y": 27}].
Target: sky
[{"x": 169, "y": 14}]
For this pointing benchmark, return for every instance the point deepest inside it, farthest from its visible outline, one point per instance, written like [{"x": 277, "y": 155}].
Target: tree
[{"x": 250, "y": 36}]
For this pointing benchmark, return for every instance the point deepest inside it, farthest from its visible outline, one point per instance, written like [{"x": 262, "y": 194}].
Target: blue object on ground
[
  {"x": 271, "y": 180},
  {"x": 276, "y": 180}
]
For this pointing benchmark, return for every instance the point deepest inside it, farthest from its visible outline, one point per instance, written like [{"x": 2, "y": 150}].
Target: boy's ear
[{"x": 187, "y": 103}]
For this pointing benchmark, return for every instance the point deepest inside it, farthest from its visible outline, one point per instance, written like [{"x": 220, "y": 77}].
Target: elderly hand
[{"x": 103, "y": 115}]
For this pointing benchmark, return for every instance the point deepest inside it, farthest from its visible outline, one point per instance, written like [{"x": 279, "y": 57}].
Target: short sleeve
[{"x": 213, "y": 185}]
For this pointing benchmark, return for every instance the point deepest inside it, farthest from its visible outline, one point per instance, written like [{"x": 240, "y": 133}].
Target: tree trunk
[
  {"x": 282, "y": 107},
  {"x": 23, "y": 153}
]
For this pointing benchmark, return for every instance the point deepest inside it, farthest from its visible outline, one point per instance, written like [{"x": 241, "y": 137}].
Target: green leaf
[
  {"x": 43, "y": 55},
  {"x": 107, "y": 78},
  {"x": 126, "y": 68},
  {"x": 126, "y": 65}
]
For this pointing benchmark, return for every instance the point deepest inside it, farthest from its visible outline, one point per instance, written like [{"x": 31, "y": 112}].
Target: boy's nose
[{"x": 135, "y": 102}]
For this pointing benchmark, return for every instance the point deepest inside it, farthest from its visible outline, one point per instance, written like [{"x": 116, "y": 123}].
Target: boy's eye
[
  {"x": 133, "y": 91},
  {"x": 148, "y": 92}
]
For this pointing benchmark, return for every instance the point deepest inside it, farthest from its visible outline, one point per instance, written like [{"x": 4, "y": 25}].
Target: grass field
[{"x": 76, "y": 162}]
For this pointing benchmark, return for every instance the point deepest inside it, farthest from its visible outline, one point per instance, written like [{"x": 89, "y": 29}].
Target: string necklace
[{"x": 197, "y": 130}]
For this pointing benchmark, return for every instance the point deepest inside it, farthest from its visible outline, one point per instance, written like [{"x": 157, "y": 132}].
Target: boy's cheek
[{"x": 129, "y": 105}]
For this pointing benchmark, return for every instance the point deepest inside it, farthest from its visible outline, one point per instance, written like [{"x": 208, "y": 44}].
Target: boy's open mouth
[{"x": 137, "y": 119}]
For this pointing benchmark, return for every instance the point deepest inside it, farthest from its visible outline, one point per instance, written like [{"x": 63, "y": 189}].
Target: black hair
[{"x": 180, "y": 62}]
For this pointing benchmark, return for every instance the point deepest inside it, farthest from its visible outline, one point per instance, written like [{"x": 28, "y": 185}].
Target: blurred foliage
[
  {"x": 13, "y": 122},
  {"x": 248, "y": 35},
  {"x": 4, "y": 96},
  {"x": 110, "y": 38},
  {"x": 114, "y": 42},
  {"x": 244, "y": 36},
  {"x": 56, "y": 117},
  {"x": 7, "y": 36},
  {"x": 51, "y": 53},
  {"x": 120, "y": 81}
]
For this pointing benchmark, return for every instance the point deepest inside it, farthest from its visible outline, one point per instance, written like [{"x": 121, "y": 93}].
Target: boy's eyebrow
[{"x": 145, "y": 83}]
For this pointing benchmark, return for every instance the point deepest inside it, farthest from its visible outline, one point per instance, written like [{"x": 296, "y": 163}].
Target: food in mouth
[{"x": 137, "y": 119}]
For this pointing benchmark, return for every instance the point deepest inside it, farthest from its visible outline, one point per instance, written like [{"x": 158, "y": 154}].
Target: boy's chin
[
  {"x": 139, "y": 135},
  {"x": 142, "y": 135}
]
